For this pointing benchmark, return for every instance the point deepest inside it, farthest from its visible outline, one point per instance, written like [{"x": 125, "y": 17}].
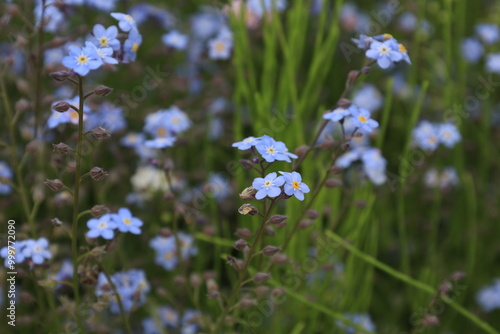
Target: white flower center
[{"x": 384, "y": 50}]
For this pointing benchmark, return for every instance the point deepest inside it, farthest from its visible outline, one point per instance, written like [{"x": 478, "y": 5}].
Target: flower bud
[
  {"x": 430, "y": 321},
  {"x": 312, "y": 214},
  {"x": 165, "y": 232},
  {"x": 101, "y": 133},
  {"x": 55, "y": 184},
  {"x": 333, "y": 183},
  {"x": 61, "y": 148},
  {"x": 269, "y": 231},
  {"x": 247, "y": 209},
  {"x": 56, "y": 222},
  {"x": 262, "y": 292},
  {"x": 240, "y": 244},
  {"x": 22, "y": 105},
  {"x": 456, "y": 276},
  {"x": 212, "y": 285},
  {"x": 99, "y": 210},
  {"x": 351, "y": 78},
  {"x": 270, "y": 250},
  {"x": 366, "y": 70},
  {"x": 243, "y": 233},
  {"x": 195, "y": 280},
  {"x": 102, "y": 90},
  {"x": 344, "y": 103},
  {"x": 260, "y": 278},
  {"x": 235, "y": 263},
  {"x": 179, "y": 280},
  {"x": 248, "y": 193},
  {"x": 59, "y": 75},
  {"x": 280, "y": 259},
  {"x": 97, "y": 173},
  {"x": 305, "y": 223},
  {"x": 277, "y": 219},
  {"x": 247, "y": 164},
  {"x": 213, "y": 295},
  {"x": 61, "y": 106},
  {"x": 301, "y": 150}
]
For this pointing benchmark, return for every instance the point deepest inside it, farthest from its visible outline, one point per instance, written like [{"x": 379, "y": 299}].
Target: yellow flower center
[
  {"x": 270, "y": 150},
  {"x": 102, "y": 225},
  {"x": 168, "y": 255},
  {"x": 73, "y": 114},
  {"x": 82, "y": 59},
  {"x": 362, "y": 119},
  {"x": 161, "y": 132},
  {"x": 135, "y": 47},
  {"x": 402, "y": 48},
  {"x": 220, "y": 46},
  {"x": 103, "y": 41},
  {"x": 127, "y": 221},
  {"x": 129, "y": 18},
  {"x": 176, "y": 120},
  {"x": 296, "y": 184},
  {"x": 387, "y": 36}
]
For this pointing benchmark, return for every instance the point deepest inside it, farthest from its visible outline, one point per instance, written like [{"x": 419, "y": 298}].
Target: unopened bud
[
  {"x": 277, "y": 219},
  {"x": 333, "y": 183},
  {"x": 336, "y": 170},
  {"x": 301, "y": 150},
  {"x": 179, "y": 280},
  {"x": 270, "y": 250},
  {"x": 61, "y": 148},
  {"x": 101, "y": 133},
  {"x": 212, "y": 285},
  {"x": 243, "y": 233},
  {"x": 248, "y": 194},
  {"x": 260, "y": 278},
  {"x": 97, "y": 173},
  {"x": 247, "y": 209},
  {"x": 61, "y": 106},
  {"x": 366, "y": 70},
  {"x": 56, "y": 222},
  {"x": 247, "y": 164},
  {"x": 59, "y": 75},
  {"x": 22, "y": 105},
  {"x": 55, "y": 184},
  {"x": 351, "y": 78},
  {"x": 430, "y": 321},
  {"x": 344, "y": 103},
  {"x": 195, "y": 280},
  {"x": 269, "y": 231},
  {"x": 280, "y": 259},
  {"x": 240, "y": 244},
  {"x": 262, "y": 291},
  {"x": 99, "y": 210},
  {"x": 305, "y": 223},
  {"x": 247, "y": 302},
  {"x": 235, "y": 263},
  {"x": 102, "y": 90},
  {"x": 312, "y": 214}
]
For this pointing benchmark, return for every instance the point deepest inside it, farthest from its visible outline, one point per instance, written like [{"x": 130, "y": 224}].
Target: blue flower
[
  {"x": 133, "y": 139},
  {"x": 175, "y": 39},
  {"x": 168, "y": 316},
  {"x": 472, "y": 50},
  {"x": 5, "y": 177},
  {"x": 268, "y": 186},
  {"x": 125, "y": 222},
  {"x": 489, "y": 297},
  {"x": 105, "y": 54},
  {"x": 125, "y": 22},
  {"x": 219, "y": 48},
  {"x": 361, "y": 319},
  {"x": 160, "y": 142},
  {"x": 166, "y": 249},
  {"x": 448, "y": 134},
  {"x": 246, "y": 143},
  {"x": 374, "y": 164},
  {"x": 361, "y": 119},
  {"x": 294, "y": 185},
  {"x": 272, "y": 150},
  {"x": 149, "y": 326},
  {"x": 105, "y": 6},
  {"x": 338, "y": 114},
  {"x": 104, "y": 38},
  {"x": 488, "y": 33},
  {"x": 363, "y": 42},
  {"x": 19, "y": 256},
  {"x": 384, "y": 52},
  {"x": 426, "y": 135},
  {"x": 493, "y": 63},
  {"x": 101, "y": 227},
  {"x": 37, "y": 250},
  {"x": 368, "y": 97},
  {"x": 82, "y": 60},
  {"x": 131, "y": 45}
]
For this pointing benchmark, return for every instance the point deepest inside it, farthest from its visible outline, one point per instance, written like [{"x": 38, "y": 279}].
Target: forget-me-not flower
[{"x": 268, "y": 186}]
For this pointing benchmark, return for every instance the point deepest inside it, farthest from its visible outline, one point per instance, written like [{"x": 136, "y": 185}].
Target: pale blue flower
[
  {"x": 268, "y": 186},
  {"x": 103, "y": 226},
  {"x": 294, "y": 185}
]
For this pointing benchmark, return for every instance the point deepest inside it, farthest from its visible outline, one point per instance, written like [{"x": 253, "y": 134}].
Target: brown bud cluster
[
  {"x": 248, "y": 194},
  {"x": 247, "y": 209}
]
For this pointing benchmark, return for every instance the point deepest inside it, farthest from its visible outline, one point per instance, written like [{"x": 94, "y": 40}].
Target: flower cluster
[
  {"x": 131, "y": 285},
  {"x": 170, "y": 318},
  {"x": 65, "y": 112},
  {"x": 105, "y": 225},
  {"x": 270, "y": 186},
  {"x": 473, "y": 48},
  {"x": 359, "y": 117},
  {"x": 166, "y": 249},
  {"x": 384, "y": 49},
  {"x": 270, "y": 149},
  {"x": 445, "y": 179},
  {"x": 373, "y": 162},
  {"x": 429, "y": 135},
  {"x": 5, "y": 177},
  {"x": 164, "y": 125},
  {"x": 30, "y": 250}
]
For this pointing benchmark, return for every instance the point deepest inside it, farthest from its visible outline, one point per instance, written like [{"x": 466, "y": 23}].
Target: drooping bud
[
  {"x": 247, "y": 209},
  {"x": 312, "y": 214},
  {"x": 61, "y": 148},
  {"x": 59, "y": 75},
  {"x": 243, "y": 233},
  {"x": 102, "y": 90},
  {"x": 351, "y": 78},
  {"x": 55, "y": 184},
  {"x": 99, "y": 210},
  {"x": 277, "y": 219},
  {"x": 97, "y": 173},
  {"x": 61, "y": 106},
  {"x": 260, "y": 278},
  {"x": 240, "y": 244},
  {"x": 248, "y": 193},
  {"x": 366, "y": 70},
  {"x": 270, "y": 250},
  {"x": 101, "y": 133}
]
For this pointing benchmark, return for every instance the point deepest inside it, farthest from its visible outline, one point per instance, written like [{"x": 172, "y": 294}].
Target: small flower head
[
  {"x": 131, "y": 45},
  {"x": 106, "y": 37},
  {"x": 246, "y": 143},
  {"x": 272, "y": 150},
  {"x": 268, "y": 186},
  {"x": 125, "y": 21},
  {"x": 101, "y": 227},
  {"x": 125, "y": 222},
  {"x": 294, "y": 185},
  {"x": 385, "y": 53},
  {"x": 82, "y": 60},
  {"x": 361, "y": 119},
  {"x": 37, "y": 250},
  {"x": 175, "y": 39},
  {"x": 448, "y": 134},
  {"x": 338, "y": 114},
  {"x": 219, "y": 48}
]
